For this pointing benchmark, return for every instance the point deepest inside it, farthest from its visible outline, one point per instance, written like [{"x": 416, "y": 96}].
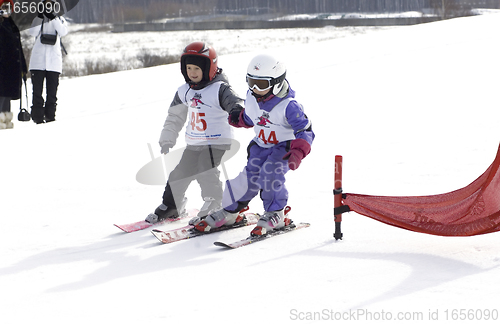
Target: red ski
[
  {"x": 253, "y": 239},
  {"x": 290, "y": 226},
  {"x": 137, "y": 226},
  {"x": 188, "y": 231}
]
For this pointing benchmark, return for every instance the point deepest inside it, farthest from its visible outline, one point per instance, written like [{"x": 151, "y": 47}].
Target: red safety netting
[{"x": 472, "y": 210}]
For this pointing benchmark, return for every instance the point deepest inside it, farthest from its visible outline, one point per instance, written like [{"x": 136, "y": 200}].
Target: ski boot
[
  {"x": 208, "y": 207},
  {"x": 272, "y": 220},
  {"x": 217, "y": 219},
  {"x": 163, "y": 212}
]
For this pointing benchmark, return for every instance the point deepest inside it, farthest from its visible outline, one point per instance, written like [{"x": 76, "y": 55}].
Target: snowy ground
[
  {"x": 413, "y": 110},
  {"x": 123, "y": 48}
]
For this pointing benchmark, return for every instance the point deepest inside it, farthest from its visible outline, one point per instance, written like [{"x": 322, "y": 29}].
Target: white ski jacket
[{"x": 47, "y": 57}]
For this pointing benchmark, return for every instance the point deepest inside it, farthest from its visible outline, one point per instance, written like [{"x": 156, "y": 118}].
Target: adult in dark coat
[{"x": 12, "y": 63}]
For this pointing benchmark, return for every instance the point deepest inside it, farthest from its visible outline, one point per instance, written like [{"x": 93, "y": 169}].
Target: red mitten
[{"x": 298, "y": 150}]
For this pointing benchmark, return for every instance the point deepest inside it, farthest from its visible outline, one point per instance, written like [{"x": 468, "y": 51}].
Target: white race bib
[
  {"x": 207, "y": 121},
  {"x": 271, "y": 127}
]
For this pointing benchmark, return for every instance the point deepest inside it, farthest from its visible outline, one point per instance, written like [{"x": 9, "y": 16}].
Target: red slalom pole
[{"x": 337, "y": 197}]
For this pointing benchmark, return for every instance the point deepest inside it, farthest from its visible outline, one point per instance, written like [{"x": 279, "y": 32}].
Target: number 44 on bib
[{"x": 271, "y": 139}]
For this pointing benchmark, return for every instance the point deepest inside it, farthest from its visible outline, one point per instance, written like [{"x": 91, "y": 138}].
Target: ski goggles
[{"x": 263, "y": 83}]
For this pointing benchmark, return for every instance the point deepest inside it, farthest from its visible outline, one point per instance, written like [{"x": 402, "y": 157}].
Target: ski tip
[
  {"x": 123, "y": 229},
  {"x": 224, "y": 245},
  {"x": 157, "y": 234}
]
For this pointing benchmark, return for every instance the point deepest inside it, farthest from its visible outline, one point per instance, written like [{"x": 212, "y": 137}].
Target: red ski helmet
[{"x": 197, "y": 51}]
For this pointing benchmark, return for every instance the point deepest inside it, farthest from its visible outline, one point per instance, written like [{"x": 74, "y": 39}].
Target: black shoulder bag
[
  {"x": 47, "y": 39},
  {"x": 23, "y": 115}
]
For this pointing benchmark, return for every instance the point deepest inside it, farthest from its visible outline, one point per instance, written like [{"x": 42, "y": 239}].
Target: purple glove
[{"x": 298, "y": 150}]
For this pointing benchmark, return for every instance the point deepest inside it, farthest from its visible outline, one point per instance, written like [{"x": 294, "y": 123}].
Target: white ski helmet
[{"x": 264, "y": 72}]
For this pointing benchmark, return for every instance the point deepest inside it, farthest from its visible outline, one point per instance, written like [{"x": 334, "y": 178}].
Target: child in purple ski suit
[{"x": 283, "y": 138}]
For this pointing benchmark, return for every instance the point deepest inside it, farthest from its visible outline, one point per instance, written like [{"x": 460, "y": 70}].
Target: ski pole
[{"x": 228, "y": 182}]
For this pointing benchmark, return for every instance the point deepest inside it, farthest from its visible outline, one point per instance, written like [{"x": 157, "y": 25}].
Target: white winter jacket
[{"x": 47, "y": 57}]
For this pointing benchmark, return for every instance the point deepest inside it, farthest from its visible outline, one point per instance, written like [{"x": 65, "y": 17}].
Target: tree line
[
  {"x": 120, "y": 11},
  {"x": 147, "y": 10}
]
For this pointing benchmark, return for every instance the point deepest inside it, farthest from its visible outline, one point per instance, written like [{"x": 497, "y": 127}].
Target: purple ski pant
[{"x": 265, "y": 173}]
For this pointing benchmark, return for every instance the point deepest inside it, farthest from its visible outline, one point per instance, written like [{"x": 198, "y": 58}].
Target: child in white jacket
[
  {"x": 46, "y": 62},
  {"x": 205, "y": 101}
]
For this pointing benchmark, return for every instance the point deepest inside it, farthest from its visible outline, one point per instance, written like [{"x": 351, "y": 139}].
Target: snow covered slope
[{"x": 413, "y": 110}]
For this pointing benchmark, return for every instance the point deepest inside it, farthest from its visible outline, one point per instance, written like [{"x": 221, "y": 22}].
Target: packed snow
[{"x": 413, "y": 110}]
